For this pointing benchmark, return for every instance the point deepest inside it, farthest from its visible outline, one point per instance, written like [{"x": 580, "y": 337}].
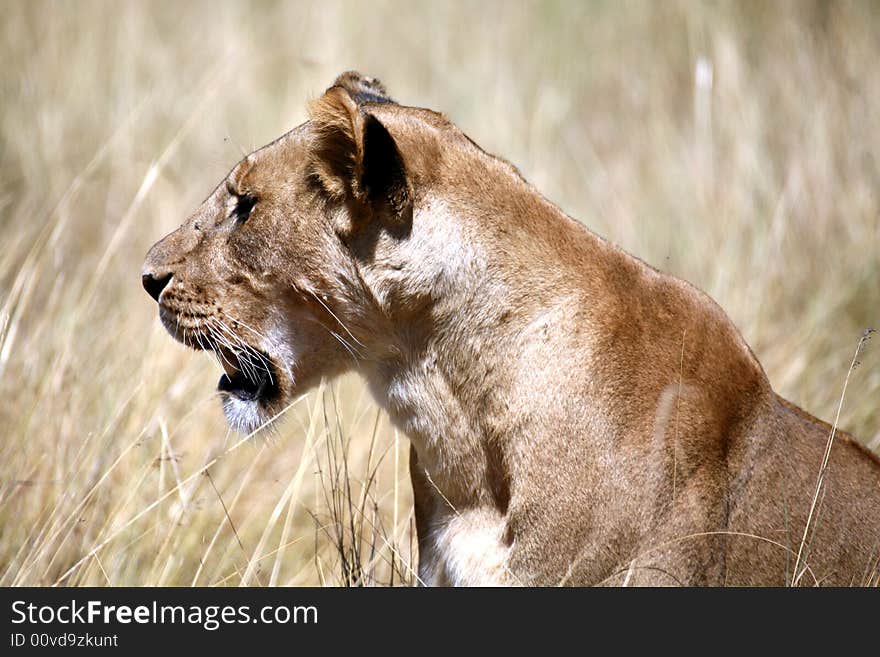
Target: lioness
[{"x": 576, "y": 416}]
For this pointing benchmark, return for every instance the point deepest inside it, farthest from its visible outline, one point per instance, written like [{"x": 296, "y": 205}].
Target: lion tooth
[{"x": 227, "y": 362}]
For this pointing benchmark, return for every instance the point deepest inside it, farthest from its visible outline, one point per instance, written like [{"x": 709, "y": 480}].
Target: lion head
[{"x": 292, "y": 269}]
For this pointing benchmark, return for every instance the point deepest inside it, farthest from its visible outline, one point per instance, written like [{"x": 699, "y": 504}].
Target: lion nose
[{"x": 154, "y": 284}]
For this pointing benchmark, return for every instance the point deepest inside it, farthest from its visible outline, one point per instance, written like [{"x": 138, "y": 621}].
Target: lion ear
[{"x": 355, "y": 157}]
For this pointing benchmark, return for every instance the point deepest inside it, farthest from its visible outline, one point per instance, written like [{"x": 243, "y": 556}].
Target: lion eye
[{"x": 244, "y": 203}]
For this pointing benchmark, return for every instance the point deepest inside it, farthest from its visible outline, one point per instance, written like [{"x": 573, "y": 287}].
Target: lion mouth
[
  {"x": 250, "y": 384},
  {"x": 248, "y": 374}
]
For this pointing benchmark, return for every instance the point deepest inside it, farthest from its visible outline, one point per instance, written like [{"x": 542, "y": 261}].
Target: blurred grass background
[{"x": 734, "y": 144}]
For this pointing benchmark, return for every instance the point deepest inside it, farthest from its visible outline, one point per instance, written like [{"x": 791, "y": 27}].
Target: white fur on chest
[{"x": 467, "y": 549}]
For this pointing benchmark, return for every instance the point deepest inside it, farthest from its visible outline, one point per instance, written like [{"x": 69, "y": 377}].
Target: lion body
[{"x": 576, "y": 416}]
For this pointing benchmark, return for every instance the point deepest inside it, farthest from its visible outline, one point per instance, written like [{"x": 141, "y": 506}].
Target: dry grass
[{"x": 735, "y": 145}]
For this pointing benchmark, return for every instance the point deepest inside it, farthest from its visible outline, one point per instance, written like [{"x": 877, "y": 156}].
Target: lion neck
[{"x": 477, "y": 338}]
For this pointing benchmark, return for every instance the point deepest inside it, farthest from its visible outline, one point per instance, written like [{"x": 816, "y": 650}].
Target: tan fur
[{"x": 576, "y": 416}]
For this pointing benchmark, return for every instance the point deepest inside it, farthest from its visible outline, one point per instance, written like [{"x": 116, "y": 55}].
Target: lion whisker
[
  {"x": 230, "y": 331},
  {"x": 344, "y": 343},
  {"x": 249, "y": 328},
  {"x": 339, "y": 321},
  {"x": 222, "y": 343},
  {"x": 243, "y": 366},
  {"x": 237, "y": 346}
]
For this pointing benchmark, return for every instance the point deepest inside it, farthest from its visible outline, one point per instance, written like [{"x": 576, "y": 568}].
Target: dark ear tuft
[{"x": 362, "y": 89}]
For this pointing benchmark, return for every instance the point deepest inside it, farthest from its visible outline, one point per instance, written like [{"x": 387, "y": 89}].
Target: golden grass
[{"x": 733, "y": 144}]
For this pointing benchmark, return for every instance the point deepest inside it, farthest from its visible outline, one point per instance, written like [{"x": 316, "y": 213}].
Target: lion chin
[
  {"x": 246, "y": 416},
  {"x": 248, "y": 389}
]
